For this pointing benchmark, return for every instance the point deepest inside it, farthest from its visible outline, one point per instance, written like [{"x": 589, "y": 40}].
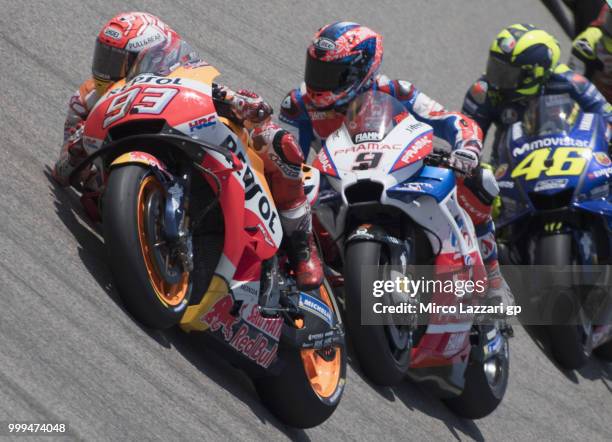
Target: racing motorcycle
[
  {"x": 391, "y": 208},
  {"x": 556, "y": 211},
  {"x": 193, "y": 235}
]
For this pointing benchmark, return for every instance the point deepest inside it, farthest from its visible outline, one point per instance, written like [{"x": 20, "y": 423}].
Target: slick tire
[
  {"x": 566, "y": 341},
  {"x": 482, "y": 393},
  {"x": 381, "y": 362},
  {"x": 291, "y": 398},
  {"x": 130, "y": 201},
  {"x": 309, "y": 387}
]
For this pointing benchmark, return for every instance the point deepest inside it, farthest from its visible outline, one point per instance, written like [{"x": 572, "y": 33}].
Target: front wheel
[
  {"x": 567, "y": 346},
  {"x": 149, "y": 280},
  {"x": 311, "y": 384},
  {"x": 485, "y": 385},
  {"x": 383, "y": 351},
  {"x": 567, "y": 341}
]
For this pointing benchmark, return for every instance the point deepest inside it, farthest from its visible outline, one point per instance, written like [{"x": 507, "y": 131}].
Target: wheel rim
[
  {"x": 323, "y": 367},
  {"x": 170, "y": 294},
  {"x": 398, "y": 336},
  {"x": 494, "y": 369},
  {"x": 399, "y": 340}
]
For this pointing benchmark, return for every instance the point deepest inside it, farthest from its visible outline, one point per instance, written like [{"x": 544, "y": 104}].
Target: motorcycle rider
[
  {"x": 592, "y": 53},
  {"x": 524, "y": 63},
  {"x": 117, "y": 45},
  {"x": 342, "y": 62}
]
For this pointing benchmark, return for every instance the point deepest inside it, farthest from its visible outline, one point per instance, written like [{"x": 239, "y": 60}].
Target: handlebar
[{"x": 442, "y": 159}]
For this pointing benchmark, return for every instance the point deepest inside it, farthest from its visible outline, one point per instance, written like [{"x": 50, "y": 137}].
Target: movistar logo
[{"x": 549, "y": 142}]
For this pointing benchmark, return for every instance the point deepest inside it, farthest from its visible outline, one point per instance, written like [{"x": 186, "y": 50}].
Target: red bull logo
[{"x": 220, "y": 318}]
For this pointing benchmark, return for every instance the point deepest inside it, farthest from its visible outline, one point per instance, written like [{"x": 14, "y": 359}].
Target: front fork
[
  {"x": 175, "y": 226},
  {"x": 489, "y": 339}
]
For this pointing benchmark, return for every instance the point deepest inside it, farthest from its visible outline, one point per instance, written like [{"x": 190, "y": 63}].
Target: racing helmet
[
  {"x": 341, "y": 61},
  {"x": 521, "y": 59},
  {"x": 120, "y": 41}
]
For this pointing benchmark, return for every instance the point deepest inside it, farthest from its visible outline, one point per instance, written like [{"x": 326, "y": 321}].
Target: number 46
[{"x": 560, "y": 164}]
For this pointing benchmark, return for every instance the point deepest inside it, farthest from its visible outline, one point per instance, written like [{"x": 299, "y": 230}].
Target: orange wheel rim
[
  {"x": 323, "y": 367},
  {"x": 169, "y": 294}
]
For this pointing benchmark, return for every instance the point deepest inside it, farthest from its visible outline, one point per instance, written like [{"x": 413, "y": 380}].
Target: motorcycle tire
[
  {"x": 485, "y": 386},
  {"x": 310, "y": 385},
  {"x": 566, "y": 341},
  {"x": 132, "y": 200},
  {"x": 380, "y": 359},
  {"x": 567, "y": 346}
]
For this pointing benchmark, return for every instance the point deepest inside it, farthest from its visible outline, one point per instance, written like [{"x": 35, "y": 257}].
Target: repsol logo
[
  {"x": 548, "y": 142},
  {"x": 251, "y": 188},
  {"x": 155, "y": 80}
]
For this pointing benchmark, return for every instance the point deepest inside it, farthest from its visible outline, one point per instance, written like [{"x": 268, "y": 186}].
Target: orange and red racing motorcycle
[{"x": 193, "y": 235}]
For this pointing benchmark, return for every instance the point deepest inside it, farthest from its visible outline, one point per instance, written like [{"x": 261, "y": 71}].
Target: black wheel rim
[{"x": 162, "y": 254}]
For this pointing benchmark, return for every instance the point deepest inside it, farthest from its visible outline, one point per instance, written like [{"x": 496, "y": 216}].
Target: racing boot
[
  {"x": 302, "y": 248},
  {"x": 498, "y": 291},
  {"x": 305, "y": 260},
  {"x": 71, "y": 155}
]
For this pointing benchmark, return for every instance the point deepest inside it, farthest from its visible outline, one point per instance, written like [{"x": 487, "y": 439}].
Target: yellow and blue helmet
[{"x": 521, "y": 59}]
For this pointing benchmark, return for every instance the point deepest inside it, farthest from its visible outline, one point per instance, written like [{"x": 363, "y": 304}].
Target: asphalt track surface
[{"x": 69, "y": 351}]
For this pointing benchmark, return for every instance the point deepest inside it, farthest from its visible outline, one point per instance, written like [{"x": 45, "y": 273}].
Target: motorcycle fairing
[
  {"x": 433, "y": 181},
  {"x": 406, "y": 145},
  {"x": 183, "y": 99},
  {"x": 585, "y": 143}
]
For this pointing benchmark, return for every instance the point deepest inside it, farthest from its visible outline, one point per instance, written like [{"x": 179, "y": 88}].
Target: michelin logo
[
  {"x": 317, "y": 307},
  {"x": 548, "y": 142}
]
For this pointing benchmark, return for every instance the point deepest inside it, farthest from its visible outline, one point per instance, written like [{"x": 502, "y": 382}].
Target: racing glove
[
  {"x": 247, "y": 106},
  {"x": 250, "y": 107},
  {"x": 466, "y": 157}
]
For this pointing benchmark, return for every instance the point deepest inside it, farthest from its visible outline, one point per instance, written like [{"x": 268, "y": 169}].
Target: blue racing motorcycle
[{"x": 556, "y": 210}]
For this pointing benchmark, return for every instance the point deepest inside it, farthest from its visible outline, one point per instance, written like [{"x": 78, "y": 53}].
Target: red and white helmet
[
  {"x": 120, "y": 41},
  {"x": 341, "y": 61}
]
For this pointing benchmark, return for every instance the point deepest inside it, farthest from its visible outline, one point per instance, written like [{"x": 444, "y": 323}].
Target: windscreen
[
  {"x": 550, "y": 114},
  {"x": 372, "y": 115},
  {"x": 164, "y": 58}
]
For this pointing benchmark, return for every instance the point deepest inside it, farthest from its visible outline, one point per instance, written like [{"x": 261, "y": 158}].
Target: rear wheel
[
  {"x": 310, "y": 386},
  {"x": 383, "y": 351},
  {"x": 149, "y": 280},
  {"x": 485, "y": 385}
]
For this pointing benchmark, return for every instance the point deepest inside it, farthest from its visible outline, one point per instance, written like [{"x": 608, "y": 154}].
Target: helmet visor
[
  {"x": 325, "y": 75},
  {"x": 501, "y": 75},
  {"x": 110, "y": 63}
]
